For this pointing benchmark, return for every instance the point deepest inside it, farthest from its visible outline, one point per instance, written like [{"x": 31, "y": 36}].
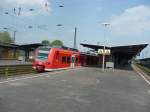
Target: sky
[{"x": 129, "y": 21}]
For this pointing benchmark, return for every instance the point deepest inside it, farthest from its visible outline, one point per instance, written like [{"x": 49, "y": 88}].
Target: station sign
[{"x": 101, "y": 51}]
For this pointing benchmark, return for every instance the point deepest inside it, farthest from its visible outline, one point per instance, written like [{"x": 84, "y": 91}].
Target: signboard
[
  {"x": 107, "y": 51},
  {"x": 109, "y": 65}
]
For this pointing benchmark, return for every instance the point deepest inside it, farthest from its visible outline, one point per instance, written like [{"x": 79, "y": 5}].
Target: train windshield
[{"x": 42, "y": 53}]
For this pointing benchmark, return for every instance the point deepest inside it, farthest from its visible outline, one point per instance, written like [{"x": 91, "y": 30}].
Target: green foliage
[
  {"x": 46, "y": 43},
  {"x": 134, "y": 60},
  {"x": 5, "y": 37},
  {"x": 57, "y": 43},
  {"x": 54, "y": 43}
]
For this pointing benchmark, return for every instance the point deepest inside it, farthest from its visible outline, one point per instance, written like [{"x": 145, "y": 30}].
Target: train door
[
  {"x": 57, "y": 59},
  {"x": 72, "y": 61}
]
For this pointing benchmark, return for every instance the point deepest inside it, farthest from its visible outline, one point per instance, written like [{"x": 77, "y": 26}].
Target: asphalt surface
[{"x": 77, "y": 90}]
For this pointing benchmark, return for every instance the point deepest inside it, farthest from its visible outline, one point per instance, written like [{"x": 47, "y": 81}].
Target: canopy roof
[
  {"x": 6, "y": 45},
  {"x": 30, "y": 46},
  {"x": 131, "y": 50},
  {"x": 23, "y": 47},
  {"x": 95, "y": 47}
]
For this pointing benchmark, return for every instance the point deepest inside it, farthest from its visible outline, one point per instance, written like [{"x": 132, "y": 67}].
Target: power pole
[
  {"x": 15, "y": 36},
  {"x": 75, "y": 38}
]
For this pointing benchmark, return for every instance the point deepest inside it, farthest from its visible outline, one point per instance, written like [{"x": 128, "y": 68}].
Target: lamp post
[
  {"x": 75, "y": 38},
  {"x": 15, "y": 36},
  {"x": 103, "y": 66}
]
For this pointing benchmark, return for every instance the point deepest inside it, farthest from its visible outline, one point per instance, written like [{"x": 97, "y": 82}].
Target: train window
[
  {"x": 68, "y": 59},
  {"x": 42, "y": 53},
  {"x": 63, "y": 59},
  {"x": 42, "y": 56}
]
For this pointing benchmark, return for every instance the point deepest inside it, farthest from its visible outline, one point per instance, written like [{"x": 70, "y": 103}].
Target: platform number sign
[{"x": 101, "y": 51}]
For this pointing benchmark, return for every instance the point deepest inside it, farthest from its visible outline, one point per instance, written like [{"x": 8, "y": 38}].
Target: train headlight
[{"x": 40, "y": 63}]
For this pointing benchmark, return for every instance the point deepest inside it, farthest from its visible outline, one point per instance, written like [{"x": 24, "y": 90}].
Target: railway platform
[{"x": 76, "y": 90}]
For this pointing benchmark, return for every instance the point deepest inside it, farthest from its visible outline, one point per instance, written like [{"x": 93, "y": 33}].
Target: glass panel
[
  {"x": 64, "y": 59},
  {"x": 42, "y": 53}
]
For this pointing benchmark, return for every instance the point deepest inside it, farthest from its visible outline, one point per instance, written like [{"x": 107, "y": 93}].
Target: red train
[{"x": 48, "y": 59}]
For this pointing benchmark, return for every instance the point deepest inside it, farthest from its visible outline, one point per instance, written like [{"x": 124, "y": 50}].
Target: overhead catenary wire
[{"x": 24, "y": 21}]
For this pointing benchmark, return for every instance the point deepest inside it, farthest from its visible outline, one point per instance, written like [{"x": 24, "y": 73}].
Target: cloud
[{"x": 133, "y": 21}]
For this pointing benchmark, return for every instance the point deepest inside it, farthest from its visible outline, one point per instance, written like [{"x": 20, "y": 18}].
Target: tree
[
  {"x": 5, "y": 37},
  {"x": 57, "y": 43},
  {"x": 46, "y": 43}
]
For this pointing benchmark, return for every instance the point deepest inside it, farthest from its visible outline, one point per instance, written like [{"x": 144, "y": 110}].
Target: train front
[{"x": 40, "y": 58}]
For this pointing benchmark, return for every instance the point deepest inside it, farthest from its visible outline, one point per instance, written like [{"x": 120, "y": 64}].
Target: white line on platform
[
  {"x": 30, "y": 77},
  {"x": 141, "y": 74},
  {"x": 144, "y": 78}
]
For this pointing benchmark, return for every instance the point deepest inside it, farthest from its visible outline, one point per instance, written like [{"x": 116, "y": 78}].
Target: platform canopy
[
  {"x": 95, "y": 47},
  {"x": 132, "y": 50},
  {"x": 23, "y": 46},
  {"x": 6, "y": 45},
  {"x": 30, "y": 46},
  {"x": 120, "y": 55}
]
